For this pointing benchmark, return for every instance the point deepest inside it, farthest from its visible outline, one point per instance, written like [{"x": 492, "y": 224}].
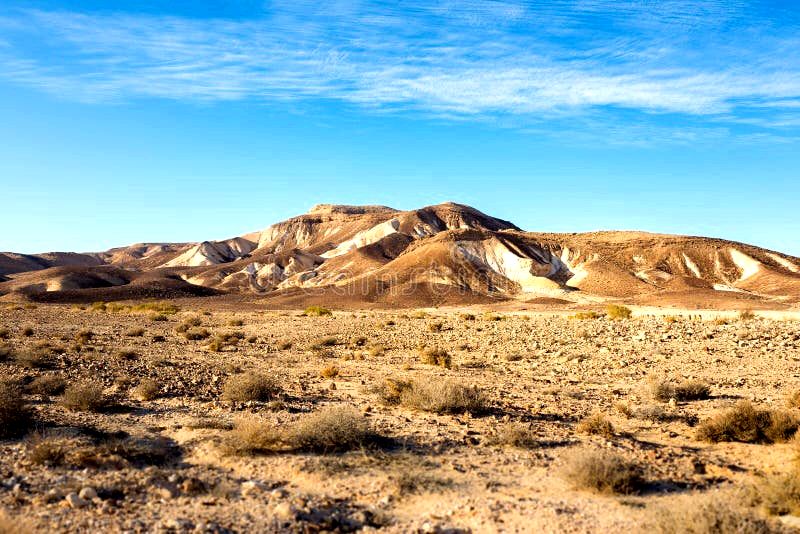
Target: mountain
[{"x": 443, "y": 254}]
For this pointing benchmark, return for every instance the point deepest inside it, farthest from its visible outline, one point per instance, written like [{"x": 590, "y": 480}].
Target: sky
[{"x": 178, "y": 120}]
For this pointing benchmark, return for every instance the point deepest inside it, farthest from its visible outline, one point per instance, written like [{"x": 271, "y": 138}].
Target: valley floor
[{"x": 486, "y": 436}]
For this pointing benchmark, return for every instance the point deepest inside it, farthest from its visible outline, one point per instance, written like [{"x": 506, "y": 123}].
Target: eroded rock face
[{"x": 447, "y": 245}]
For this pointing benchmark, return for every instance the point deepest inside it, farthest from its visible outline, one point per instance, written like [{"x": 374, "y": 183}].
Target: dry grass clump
[
  {"x": 127, "y": 354},
  {"x": 466, "y": 316},
  {"x": 582, "y": 316},
  {"x": 186, "y": 324},
  {"x": 435, "y": 326},
  {"x": 329, "y": 341},
  {"x": 15, "y": 414},
  {"x": 162, "y": 307},
  {"x": 435, "y": 356},
  {"x": 746, "y": 315},
  {"x": 316, "y": 311},
  {"x": 597, "y": 425},
  {"x": 603, "y": 472},
  {"x": 491, "y": 316},
  {"x": 196, "y": 334},
  {"x": 329, "y": 371},
  {"x": 418, "y": 480},
  {"x": 135, "y": 332},
  {"x": 47, "y": 385},
  {"x": 617, "y": 312},
  {"x": 85, "y": 397},
  {"x": 690, "y": 390},
  {"x": 250, "y": 387},
  {"x": 39, "y": 358},
  {"x": 433, "y": 396},
  {"x": 158, "y": 317},
  {"x": 236, "y": 322},
  {"x": 6, "y": 352},
  {"x": 283, "y": 344},
  {"x": 147, "y": 390},
  {"x": 517, "y": 435},
  {"x": 708, "y": 514},
  {"x": 27, "y": 331},
  {"x": 793, "y": 399},
  {"x": 228, "y": 339},
  {"x": 84, "y": 336},
  {"x": 747, "y": 424},
  {"x": 331, "y": 429},
  {"x": 5, "y": 333},
  {"x": 777, "y": 494}
]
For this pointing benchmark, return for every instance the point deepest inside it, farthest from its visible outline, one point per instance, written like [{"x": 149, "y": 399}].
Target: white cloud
[{"x": 468, "y": 59}]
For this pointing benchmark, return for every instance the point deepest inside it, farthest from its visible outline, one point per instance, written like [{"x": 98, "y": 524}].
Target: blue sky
[{"x": 181, "y": 120}]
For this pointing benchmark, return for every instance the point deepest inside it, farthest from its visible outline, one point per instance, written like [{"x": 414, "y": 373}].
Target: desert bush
[
  {"x": 84, "y": 336},
  {"x": 777, "y": 494},
  {"x": 250, "y": 387},
  {"x": 34, "y": 358},
  {"x": 434, "y": 396},
  {"x": 316, "y": 311},
  {"x": 127, "y": 354},
  {"x": 329, "y": 341},
  {"x": 435, "y": 356},
  {"x": 491, "y": 316},
  {"x": 158, "y": 307},
  {"x": 5, "y": 333},
  {"x": 47, "y": 385},
  {"x": 376, "y": 350},
  {"x": 582, "y": 316},
  {"x": 617, "y": 312},
  {"x": 220, "y": 341},
  {"x": 188, "y": 323},
  {"x": 603, "y": 472},
  {"x": 329, "y": 371},
  {"x": 236, "y": 322},
  {"x": 159, "y": 339},
  {"x": 15, "y": 414},
  {"x": 746, "y": 315},
  {"x": 517, "y": 435},
  {"x": 419, "y": 314},
  {"x": 748, "y": 424},
  {"x": 283, "y": 344},
  {"x": 85, "y": 397},
  {"x": 707, "y": 514},
  {"x": 435, "y": 327},
  {"x": 147, "y": 390},
  {"x": 196, "y": 334},
  {"x": 793, "y": 399},
  {"x": 596, "y": 424},
  {"x": 331, "y": 429},
  {"x": 6, "y": 352},
  {"x": 135, "y": 332},
  {"x": 158, "y": 317},
  {"x": 27, "y": 331},
  {"x": 466, "y": 316},
  {"x": 664, "y": 390}
]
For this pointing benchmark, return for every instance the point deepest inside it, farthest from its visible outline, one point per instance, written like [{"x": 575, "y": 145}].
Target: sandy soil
[{"x": 431, "y": 472}]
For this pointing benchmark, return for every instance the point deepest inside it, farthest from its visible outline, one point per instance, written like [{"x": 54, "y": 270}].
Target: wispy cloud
[{"x": 473, "y": 59}]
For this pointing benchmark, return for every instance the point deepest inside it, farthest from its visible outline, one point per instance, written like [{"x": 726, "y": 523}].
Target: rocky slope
[{"x": 447, "y": 253}]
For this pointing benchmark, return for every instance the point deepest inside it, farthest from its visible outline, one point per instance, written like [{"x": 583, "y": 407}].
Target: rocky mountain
[{"x": 448, "y": 253}]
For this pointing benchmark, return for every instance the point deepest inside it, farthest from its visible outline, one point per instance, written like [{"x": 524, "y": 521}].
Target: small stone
[
  {"x": 88, "y": 493},
  {"x": 285, "y": 511},
  {"x": 73, "y": 500}
]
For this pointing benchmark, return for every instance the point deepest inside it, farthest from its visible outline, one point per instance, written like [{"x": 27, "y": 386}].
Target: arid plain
[{"x": 209, "y": 415}]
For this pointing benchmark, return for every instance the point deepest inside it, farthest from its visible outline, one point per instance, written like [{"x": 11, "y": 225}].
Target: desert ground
[{"x": 202, "y": 415}]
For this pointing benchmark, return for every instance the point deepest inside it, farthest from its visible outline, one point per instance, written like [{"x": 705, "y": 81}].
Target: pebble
[
  {"x": 73, "y": 500},
  {"x": 88, "y": 493}
]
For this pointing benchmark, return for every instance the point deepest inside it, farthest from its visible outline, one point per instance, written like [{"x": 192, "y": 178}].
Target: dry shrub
[
  {"x": 158, "y": 317},
  {"x": 376, "y": 350},
  {"x": 329, "y": 371},
  {"x": 746, "y": 315},
  {"x": 135, "y": 332},
  {"x": 331, "y": 429},
  {"x": 517, "y": 435},
  {"x": 617, "y": 312},
  {"x": 708, "y": 514},
  {"x": 491, "y": 316},
  {"x": 236, "y": 322},
  {"x": 147, "y": 390},
  {"x": 250, "y": 387},
  {"x": 27, "y": 331},
  {"x": 603, "y": 471},
  {"x": 127, "y": 354},
  {"x": 329, "y": 341},
  {"x": 6, "y": 352},
  {"x": 47, "y": 385},
  {"x": 15, "y": 414},
  {"x": 84, "y": 336},
  {"x": 196, "y": 334},
  {"x": 416, "y": 480},
  {"x": 596, "y": 424},
  {"x": 747, "y": 424},
  {"x": 228, "y": 339},
  {"x": 5, "y": 333},
  {"x": 38, "y": 358},
  {"x": 85, "y": 397},
  {"x": 793, "y": 399},
  {"x": 583, "y": 316},
  {"x": 433, "y": 396},
  {"x": 777, "y": 494},
  {"x": 316, "y": 311},
  {"x": 435, "y": 356},
  {"x": 466, "y": 316},
  {"x": 48, "y": 451},
  {"x": 284, "y": 344},
  {"x": 689, "y": 390},
  {"x": 435, "y": 327},
  {"x": 188, "y": 323}
]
